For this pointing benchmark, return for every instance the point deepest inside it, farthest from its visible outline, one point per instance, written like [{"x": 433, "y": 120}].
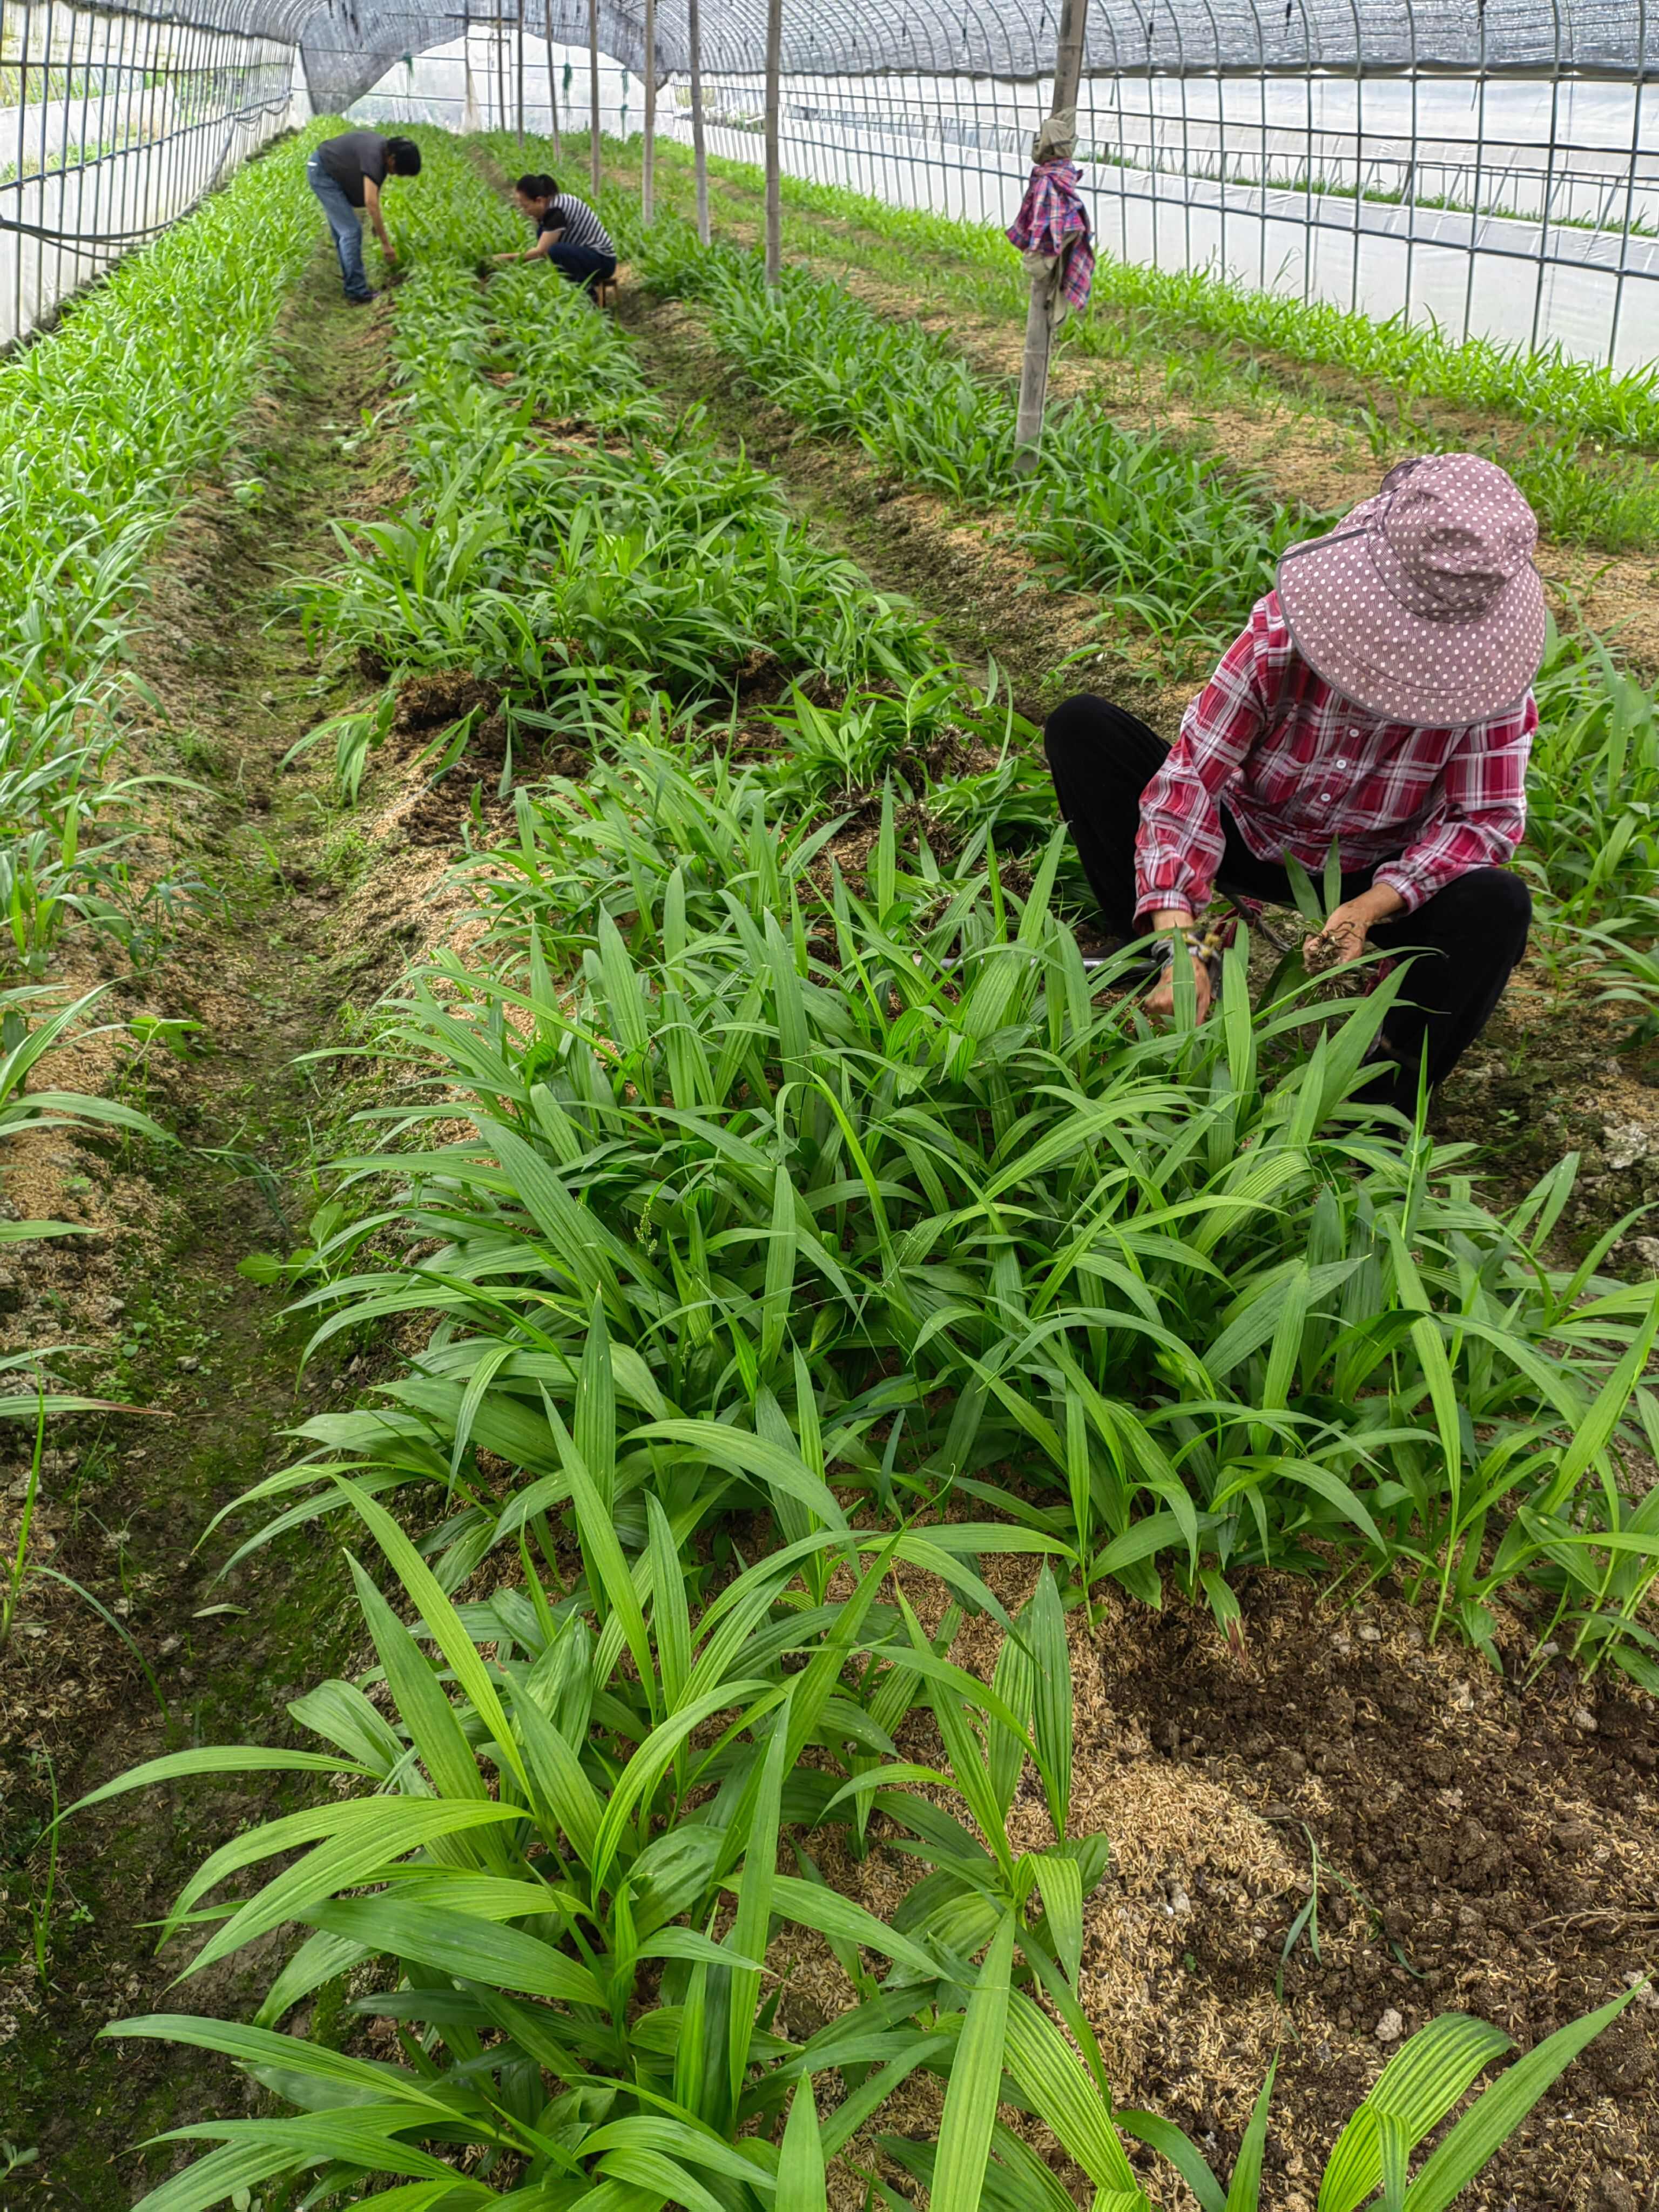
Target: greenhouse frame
[{"x": 1494, "y": 169}]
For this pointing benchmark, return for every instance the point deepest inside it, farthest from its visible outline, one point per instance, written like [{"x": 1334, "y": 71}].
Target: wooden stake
[
  {"x": 1057, "y": 136},
  {"x": 519, "y": 86},
  {"x": 553, "y": 85},
  {"x": 594, "y": 97},
  {"x": 699, "y": 138},
  {"x": 774, "y": 178},
  {"x": 648, "y": 158}
]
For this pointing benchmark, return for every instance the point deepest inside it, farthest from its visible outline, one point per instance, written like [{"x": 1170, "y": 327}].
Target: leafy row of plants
[
  {"x": 802, "y": 1186},
  {"x": 1174, "y": 540},
  {"x": 670, "y": 900},
  {"x": 1585, "y": 488},
  {"x": 1185, "y": 554},
  {"x": 1593, "y": 794},
  {"x": 565, "y": 522},
  {"x": 872, "y": 1156},
  {"x": 1412, "y": 361},
  {"x": 552, "y": 1867},
  {"x": 99, "y": 426}
]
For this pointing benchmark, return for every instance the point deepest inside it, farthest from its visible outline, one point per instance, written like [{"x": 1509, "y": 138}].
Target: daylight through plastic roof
[{"x": 348, "y": 45}]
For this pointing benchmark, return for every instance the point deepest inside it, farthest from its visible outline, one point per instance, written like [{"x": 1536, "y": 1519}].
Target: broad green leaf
[
  {"x": 826, "y": 1911},
  {"x": 1044, "y": 1626},
  {"x": 670, "y": 1618},
  {"x": 650, "y": 1762},
  {"x": 974, "y": 2090},
  {"x": 1419, "y": 2086},
  {"x": 801, "y": 2184},
  {"x": 235, "y": 2168},
  {"x": 1499, "y": 2110},
  {"x": 1179, "y": 2150},
  {"x": 749, "y": 1927},
  {"x": 461, "y": 1944},
  {"x": 595, "y": 1407},
  {"x": 1051, "y": 2075},
  {"x": 1060, "y": 1881},
  {"x": 1244, "y": 2192},
  {"x": 217, "y": 1758},
  {"x": 441, "y": 1619},
  {"x": 363, "y": 1838},
  {"x": 262, "y": 2046},
  {"x": 596, "y": 1526},
  {"x": 435, "y": 1727}
]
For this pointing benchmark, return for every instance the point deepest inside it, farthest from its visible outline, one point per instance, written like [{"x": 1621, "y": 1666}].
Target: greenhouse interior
[{"x": 830, "y": 1095}]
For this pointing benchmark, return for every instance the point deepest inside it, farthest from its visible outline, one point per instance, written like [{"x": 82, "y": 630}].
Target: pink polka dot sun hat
[{"x": 1422, "y": 605}]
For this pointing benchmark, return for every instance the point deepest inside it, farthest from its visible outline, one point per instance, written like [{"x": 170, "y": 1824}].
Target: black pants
[
  {"x": 1468, "y": 937},
  {"x": 582, "y": 265}
]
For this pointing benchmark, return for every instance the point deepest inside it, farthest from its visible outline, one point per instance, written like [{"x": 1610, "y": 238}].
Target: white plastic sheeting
[
  {"x": 472, "y": 84},
  {"x": 1490, "y": 163},
  {"x": 111, "y": 126},
  {"x": 348, "y": 44},
  {"x": 1255, "y": 179}
]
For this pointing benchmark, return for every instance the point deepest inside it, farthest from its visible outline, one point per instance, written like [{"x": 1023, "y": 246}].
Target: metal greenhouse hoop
[{"x": 1409, "y": 157}]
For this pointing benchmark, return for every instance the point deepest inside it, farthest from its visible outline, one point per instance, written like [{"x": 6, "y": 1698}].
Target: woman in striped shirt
[{"x": 567, "y": 234}]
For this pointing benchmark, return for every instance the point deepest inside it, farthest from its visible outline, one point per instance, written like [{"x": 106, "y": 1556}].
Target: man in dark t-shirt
[{"x": 346, "y": 173}]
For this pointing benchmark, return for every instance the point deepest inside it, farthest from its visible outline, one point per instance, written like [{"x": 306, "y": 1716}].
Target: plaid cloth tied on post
[{"x": 1052, "y": 222}]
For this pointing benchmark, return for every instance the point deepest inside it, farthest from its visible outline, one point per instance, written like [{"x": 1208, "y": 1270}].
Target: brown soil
[
  {"x": 979, "y": 593},
  {"x": 1469, "y": 1845},
  {"x": 433, "y": 701},
  {"x": 1549, "y": 1075},
  {"x": 268, "y": 969},
  {"x": 1483, "y": 1849}
]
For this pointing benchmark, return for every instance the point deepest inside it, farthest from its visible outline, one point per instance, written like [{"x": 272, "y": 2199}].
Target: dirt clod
[{"x": 441, "y": 696}]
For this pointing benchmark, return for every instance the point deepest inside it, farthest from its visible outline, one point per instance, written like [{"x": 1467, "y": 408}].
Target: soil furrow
[{"x": 259, "y": 970}]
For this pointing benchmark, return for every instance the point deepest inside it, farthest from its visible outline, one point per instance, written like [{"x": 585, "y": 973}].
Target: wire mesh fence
[
  {"x": 1492, "y": 167},
  {"x": 111, "y": 126},
  {"x": 1524, "y": 211}
]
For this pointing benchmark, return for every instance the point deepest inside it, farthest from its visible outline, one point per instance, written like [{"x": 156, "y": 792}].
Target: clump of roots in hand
[{"x": 1320, "y": 951}]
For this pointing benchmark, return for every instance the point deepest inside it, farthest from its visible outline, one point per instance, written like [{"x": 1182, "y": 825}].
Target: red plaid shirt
[
  {"x": 1052, "y": 221},
  {"x": 1296, "y": 765}
]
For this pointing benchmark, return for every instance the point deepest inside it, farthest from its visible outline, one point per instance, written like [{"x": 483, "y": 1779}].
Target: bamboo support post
[
  {"x": 518, "y": 89},
  {"x": 1057, "y": 136},
  {"x": 649, "y": 155},
  {"x": 699, "y": 134},
  {"x": 774, "y": 178},
  {"x": 552, "y": 85},
  {"x": 593, "y": 170}
]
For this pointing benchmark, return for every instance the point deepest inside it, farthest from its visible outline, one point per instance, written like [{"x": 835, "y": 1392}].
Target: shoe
[{"x": 362, "y": 298}]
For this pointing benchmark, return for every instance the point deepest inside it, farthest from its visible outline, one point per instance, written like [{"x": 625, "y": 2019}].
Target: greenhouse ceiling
[{"x": 348, "y": 45}]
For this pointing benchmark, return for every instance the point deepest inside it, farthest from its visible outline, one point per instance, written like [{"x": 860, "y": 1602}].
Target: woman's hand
[
  {"x": 1160, "y": 1000},
  {"x": 1348, "y": 925}
]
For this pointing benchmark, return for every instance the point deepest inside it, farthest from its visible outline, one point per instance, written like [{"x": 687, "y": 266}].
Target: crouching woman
[
  {"x": 1380, "y": 698},
  {"x": 569, "y": 236}
]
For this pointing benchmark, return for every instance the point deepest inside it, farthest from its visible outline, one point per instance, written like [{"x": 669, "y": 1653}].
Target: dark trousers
[
  {"x": 1468, "y": 937},
  {"x": 582, "y": 265}
]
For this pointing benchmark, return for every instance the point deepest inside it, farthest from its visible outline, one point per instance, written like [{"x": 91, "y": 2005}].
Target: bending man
[
  {"x": 346, "y": 173},
  {"x": 1381, "y": 697}
]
